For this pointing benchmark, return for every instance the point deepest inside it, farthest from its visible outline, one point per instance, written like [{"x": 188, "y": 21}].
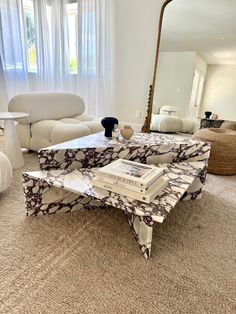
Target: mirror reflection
[{"x": 196, "y": 73}]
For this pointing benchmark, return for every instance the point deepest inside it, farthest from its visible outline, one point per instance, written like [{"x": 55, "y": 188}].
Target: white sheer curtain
[
  {"x": 3, "y": 93},
  {"x": 94, "y": 72},
  {"x": 52, "y": 69},
  {"x": 52, "y": 45},
  {"x": 43, "y": 47},
  {"x": 12, "y": 47},
  {"x": 60, "y": 45}
]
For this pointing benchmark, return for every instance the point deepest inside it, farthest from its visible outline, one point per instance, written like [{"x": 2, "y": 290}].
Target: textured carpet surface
[{"x": 89, "y": 262}]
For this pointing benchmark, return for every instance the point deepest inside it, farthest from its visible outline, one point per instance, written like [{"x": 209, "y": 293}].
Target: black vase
[
  {"x": 208, "y": 114},
  {"x": 108, "y": 124}
]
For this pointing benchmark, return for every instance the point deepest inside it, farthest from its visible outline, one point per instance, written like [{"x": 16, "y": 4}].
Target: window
[
  {"x": 27, "y": 53},
  {"x": 89, "y": 40},
  {"x": 72, "y": 17},
  {"x": 196, "y": 95},
  {"x": 11, "y": 50},
  {"x": 30, "y": 35}
]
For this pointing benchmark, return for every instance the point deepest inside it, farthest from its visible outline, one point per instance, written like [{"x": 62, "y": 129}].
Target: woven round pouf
[
  {"x": 229, "y": 125},
  {"x": 5, "y": 172},
  {"x": 223, "y": 149}
]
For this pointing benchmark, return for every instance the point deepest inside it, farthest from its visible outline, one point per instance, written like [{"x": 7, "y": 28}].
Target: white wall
[
  {"x": 220, "y": 91},
  {"x": 135, "y": 36},
  {"x": 174, "y": 80}
]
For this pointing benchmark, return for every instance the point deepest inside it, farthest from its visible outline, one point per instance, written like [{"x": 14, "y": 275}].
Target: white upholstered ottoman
[{"x": 166, "y": 123}]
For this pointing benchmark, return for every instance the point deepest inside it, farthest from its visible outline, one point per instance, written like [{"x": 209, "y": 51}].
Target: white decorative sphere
[{"x": 5, "y": 172}]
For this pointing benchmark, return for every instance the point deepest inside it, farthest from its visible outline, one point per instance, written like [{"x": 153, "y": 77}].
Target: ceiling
[{"x": 205, "y": 26}]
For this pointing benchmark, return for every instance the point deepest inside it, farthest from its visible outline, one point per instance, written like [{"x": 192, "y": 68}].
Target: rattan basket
[
  {"x": 229, "y": 125},
  {"x": 223, "y": 149}
]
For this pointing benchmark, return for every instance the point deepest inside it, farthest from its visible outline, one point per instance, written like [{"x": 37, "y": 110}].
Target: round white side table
[{"x": 11, "y": 142}]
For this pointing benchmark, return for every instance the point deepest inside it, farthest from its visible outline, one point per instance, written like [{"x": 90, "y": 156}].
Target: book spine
[
  {"x": 121, "y": 184},
  {"x": 131, "y": 182},
  {"x": 119, "y": 190}
]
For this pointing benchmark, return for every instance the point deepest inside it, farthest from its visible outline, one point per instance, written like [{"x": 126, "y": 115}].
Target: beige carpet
[{"x": 89, "y": 262}]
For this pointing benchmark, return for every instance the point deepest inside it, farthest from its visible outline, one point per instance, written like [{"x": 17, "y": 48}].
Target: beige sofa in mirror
[{"x": 195, "y": 65}]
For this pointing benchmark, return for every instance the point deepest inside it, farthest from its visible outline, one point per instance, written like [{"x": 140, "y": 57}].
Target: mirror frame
[{"x": 147, "y": 122}]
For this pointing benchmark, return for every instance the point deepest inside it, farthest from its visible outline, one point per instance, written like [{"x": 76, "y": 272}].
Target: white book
[
  {"x": 122, "y": 184},
  {"x": 130, "y": 172},
  {"x": 151, "y": 192}
]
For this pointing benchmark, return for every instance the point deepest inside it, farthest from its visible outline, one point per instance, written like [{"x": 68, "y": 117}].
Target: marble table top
[
  {"x": 98, "y": 140},
  {"x": 181, "y": 176}
]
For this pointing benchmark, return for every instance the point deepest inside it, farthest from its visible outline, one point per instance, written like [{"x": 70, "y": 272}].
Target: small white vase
[
  {"x": 127, "y": 132},
  {"x": 215, "y": 116}
]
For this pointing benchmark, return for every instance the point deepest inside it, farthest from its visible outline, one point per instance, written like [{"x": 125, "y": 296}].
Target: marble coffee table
[
  {"x": 63, "y": 183},
  {"x": 67, "y": 190},
  {"x": 97, "y": 151}
]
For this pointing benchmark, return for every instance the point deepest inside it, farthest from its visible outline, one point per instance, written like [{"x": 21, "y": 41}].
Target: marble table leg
[
  {"x": 194, "y": 192},
  {"x": 11, "y": 145},
  {"x": 142, "y": 227}
]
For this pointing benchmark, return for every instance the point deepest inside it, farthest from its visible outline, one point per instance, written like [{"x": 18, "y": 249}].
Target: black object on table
[
  {"x": 108, "y": 124},
  {"x": 208, "y": 114}
]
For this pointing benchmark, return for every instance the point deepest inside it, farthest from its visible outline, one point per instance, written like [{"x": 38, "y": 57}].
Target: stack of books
[{"x": 132, "y": 179}]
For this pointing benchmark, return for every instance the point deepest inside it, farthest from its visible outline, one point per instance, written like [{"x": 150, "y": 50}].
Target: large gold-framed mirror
[{"x": 195, "y": 65}]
